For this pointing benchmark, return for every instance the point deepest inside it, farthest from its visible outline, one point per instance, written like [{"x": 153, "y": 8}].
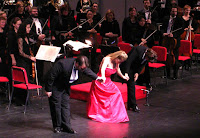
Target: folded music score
[{"x": 76, "y": 45}]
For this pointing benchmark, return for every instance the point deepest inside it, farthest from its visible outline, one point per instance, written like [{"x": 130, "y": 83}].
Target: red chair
[
  {"x": 197, "y": 45},
  {"x": 185, "y": 49},
  {"x": 124, "y": 46},
  {"x": 120, "y": 39},
  {"x": 99, "y": 40},
  {"x": 161, "y": 59},
  {"x": 6, "y": 80},
  {"x": 20, "y": 80}
]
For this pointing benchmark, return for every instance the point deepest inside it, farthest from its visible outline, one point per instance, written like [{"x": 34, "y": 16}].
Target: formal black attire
[
  {"x": 177, "y": 23},
  {"x": 87, "y": 5},
  {"x": 97, "y": 17},
  {"x": 58, "y": 84},
  {"x": 129, "y": 30},
  {"x": 134, "y": 64},
  {"x": 63, "y": 23},
  {"x": 107, "y": 27},
  {"x": 35, "y": 47},
  {"x": 3, "y": 55}
]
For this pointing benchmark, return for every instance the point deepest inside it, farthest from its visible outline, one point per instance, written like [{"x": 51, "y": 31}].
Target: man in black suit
[
  {"x": 58, "y": 83},
  {"x": 172, "y": 23},
  {"x": 138, "y": 57}
]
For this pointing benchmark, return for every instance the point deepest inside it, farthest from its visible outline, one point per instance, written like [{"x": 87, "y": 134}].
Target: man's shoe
[
  {"x": 57, "y": 130},
  {"x": 69, "y": 130},
  {"x": 136, "y": 109}
]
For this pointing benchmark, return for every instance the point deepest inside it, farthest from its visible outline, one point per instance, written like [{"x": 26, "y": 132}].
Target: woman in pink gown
[{"x": 105, "y": 103}]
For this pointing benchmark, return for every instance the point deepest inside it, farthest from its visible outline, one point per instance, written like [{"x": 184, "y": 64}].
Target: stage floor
[{"x": 175, "y": 112}]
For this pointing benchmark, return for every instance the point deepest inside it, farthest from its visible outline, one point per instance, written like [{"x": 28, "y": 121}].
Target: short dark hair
[
  {"x": 146, "y": 0},
  {"x": 131, "y": 8},
  {"x": 151, "y": 55},
  {"x": 81, "y": 60}
]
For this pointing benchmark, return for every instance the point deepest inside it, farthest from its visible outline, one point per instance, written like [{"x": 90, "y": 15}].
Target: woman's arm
[{"x": 104, "y": 64}]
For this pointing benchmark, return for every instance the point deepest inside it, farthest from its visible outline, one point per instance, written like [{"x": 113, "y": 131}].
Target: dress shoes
[
  {"x": 136, "y": 109},
  {"x": 69, "y": 130},
  {"x": 57, "y": 130}
]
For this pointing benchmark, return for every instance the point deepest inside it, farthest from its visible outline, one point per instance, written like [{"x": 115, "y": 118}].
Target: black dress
[{"x": 3, "y": 54}]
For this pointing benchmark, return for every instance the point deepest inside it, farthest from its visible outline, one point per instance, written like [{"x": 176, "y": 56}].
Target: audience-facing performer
[
  {"x": 106, "y": 103},
  {"x": 12, "y": 40},
  {"x": 2, "y": 47},
  {"x": 63, "y": 22},
  {"x": 97, "y": 15},
  {"x": 58, "y": 83},
  {"x": 138, "y": 57},
  {"x": 83, "y": 6},
  {"x": 129, "y": 26},
  {"x": 172, "y": 23},
  {"x": 110, "y": 29}
]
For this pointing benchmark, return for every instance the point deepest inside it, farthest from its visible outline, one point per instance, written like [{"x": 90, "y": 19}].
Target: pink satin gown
[{"x": 105, "y": 103}]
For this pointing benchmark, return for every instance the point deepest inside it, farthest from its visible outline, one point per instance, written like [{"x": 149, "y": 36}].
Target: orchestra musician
[
  {"x": 129, "y": 26},
  {"x": 89, "y": 31},
  {"x": 151, "y": 16},
  {"x": 83, "y": 6},
  {"x": 12, "y": 40},
  {"x": 2, "y": 47},
  {"x": 39, "y": 31},
  {"x": 171, "y": 23},
  {"x": 97, "y": 15},
  {"x": 63, "y": 22}
]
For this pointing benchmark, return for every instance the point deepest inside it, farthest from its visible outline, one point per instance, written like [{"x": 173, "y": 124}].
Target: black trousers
[
  {"x": 60, "y": 108},
  {"x": 131, "y": 91}
]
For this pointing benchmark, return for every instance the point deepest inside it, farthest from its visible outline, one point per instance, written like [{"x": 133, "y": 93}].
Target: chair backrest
[
  {"x": 120, "y": 39},
  {"x": 185, "y": 48},
  {"x": 19, "y": 74},
  {"x": 124, "y": 46},
  {"x": 197, "y": 40},
  {"x": 161, "y": 53},
  {"x": 99, "y": 38}
]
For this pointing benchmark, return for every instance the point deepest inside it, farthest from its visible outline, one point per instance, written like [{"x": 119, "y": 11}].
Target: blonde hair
[{"x": 119, "y": 54}]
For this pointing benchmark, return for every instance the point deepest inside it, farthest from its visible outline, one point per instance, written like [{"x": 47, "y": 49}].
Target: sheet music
[
  {"x": 76, "y": 45},
  {"x": 48, "y": 53}
]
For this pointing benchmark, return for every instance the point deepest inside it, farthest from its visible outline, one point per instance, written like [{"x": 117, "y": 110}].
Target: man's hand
[
  {"x": 136, "y": 77},
  {"x": 41, "y": 37},
  {"x": 49, "y": 94},
  {"x": 126, "y": 77}
]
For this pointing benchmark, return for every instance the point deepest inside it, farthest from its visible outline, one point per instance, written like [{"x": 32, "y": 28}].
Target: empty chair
[
  {"x": 197, "y": 46},
  {"x": 6, "y": 81},
  {"x": 124, "y": 46},
  {"x": 161, "y": 59},
  {"x": 185, "y": 49},
  {"x": 20, "y": 80}
]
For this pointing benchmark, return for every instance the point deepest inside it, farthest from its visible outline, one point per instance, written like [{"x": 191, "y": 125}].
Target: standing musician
[
  {"x": 83, "y": 6},
  {"x": 172, "y": 23},
  {"x": 129, "y": 26},
  {"x": 39, "y": 31},
  {"x": 151, "y": 16},
  {"x": 63, "y": 22},
  {"x": 97, "y": 15},
  {"x": 190, "y": 24}
]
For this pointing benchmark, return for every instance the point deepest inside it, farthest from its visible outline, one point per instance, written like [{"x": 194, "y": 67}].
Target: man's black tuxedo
[
  {"x": 58, "y": 83},
  {"x": 134, "y": 64}
]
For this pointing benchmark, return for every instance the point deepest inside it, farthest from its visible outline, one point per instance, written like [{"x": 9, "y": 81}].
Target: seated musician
[
  {"x": 110, "y": 29},
  {"x": 61, "y": 26},
  {"x": 173, "y": 23},
  {"x": 88, "y": 32},
  {"x": 129, "y": 26},
  {"x": 143, "y": 31}
]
